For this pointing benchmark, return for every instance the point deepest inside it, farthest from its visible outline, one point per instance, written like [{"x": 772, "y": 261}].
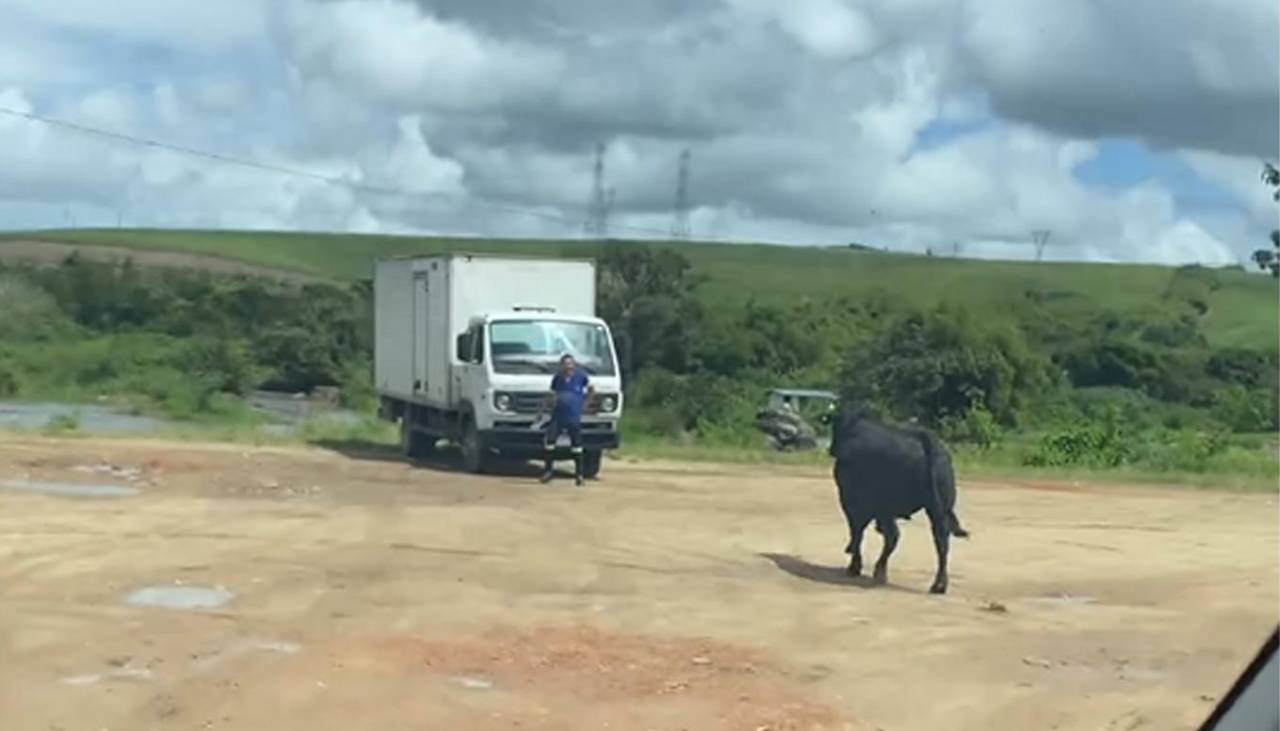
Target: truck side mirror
[{"x": 464, "y": 347}]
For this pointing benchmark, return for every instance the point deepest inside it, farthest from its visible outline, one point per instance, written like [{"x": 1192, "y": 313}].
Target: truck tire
[
  {"x": 473, "y": 450},
  {"x": 591, "y": 460},
  {"x": 413, "y": 443}
]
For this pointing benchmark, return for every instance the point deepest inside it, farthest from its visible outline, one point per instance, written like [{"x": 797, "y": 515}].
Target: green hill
[{"x": 1239, "y": 308}]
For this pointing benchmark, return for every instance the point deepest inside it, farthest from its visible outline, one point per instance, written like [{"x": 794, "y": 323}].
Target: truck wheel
[
  {"x": 473, "y": 456},
  {"x": 591, "y": 464},
  {"x": 413, "y": 443}
]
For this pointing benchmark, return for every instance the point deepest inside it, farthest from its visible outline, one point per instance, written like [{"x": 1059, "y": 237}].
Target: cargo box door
[{"x": 421, "y": 310}]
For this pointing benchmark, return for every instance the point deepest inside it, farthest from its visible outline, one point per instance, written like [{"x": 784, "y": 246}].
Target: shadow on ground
[
  {"x": 831, "y": 575},
  {"x": 444, "y": 460}
]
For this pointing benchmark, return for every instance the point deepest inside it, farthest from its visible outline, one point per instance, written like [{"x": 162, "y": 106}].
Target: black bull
[{"x": 884, "y": 473}]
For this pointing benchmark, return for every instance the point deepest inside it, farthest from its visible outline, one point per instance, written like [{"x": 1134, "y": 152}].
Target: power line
[{"x": 300, "y": 173}]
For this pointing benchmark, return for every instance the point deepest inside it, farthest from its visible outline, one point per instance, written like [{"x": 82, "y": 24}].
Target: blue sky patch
[
  {"x": 940, "y": 132},
  {"x": 1122, "y": 163}
]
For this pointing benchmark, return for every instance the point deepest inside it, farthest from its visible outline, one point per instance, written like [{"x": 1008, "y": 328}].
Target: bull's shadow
[{"x": 832, "y": 575}]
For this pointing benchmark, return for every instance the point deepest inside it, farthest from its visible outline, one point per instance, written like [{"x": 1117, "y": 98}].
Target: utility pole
[
  {"x": 680, "y": 228},
  {"x": 1040, "y": 237},
  {"x": 597, "y": 223}
]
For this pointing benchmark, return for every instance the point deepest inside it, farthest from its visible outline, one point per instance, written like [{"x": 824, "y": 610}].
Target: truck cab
[{"x": 505, "y": 365}]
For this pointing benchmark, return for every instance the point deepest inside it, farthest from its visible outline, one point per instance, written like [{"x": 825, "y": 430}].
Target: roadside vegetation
[{"x": 1045, "y": 380}]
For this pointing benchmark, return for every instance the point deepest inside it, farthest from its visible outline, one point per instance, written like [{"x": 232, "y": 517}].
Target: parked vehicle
[
  {"x": 783, "y": 418},
  {"x": 466, "y": 346}
]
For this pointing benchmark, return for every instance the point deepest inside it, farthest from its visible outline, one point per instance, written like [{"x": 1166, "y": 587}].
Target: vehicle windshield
[{"x": 536, "y": 346}]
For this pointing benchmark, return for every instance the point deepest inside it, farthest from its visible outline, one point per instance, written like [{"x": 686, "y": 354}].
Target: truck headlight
[
  {"x": 502, "y": 401},
  {"x": 608, "y": 404}
]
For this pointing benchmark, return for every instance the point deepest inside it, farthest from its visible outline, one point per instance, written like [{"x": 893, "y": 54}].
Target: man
[{"x": 570, "y": 388}]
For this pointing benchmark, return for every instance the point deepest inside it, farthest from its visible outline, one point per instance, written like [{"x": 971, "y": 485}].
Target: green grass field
[{"x": 1243, "y": 311}]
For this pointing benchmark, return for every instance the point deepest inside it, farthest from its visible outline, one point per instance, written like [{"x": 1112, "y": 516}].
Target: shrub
[
  {"x": 62, "y": 423},
  {"x": 977, "y": 427},
  {"x": 1244, "y": 366},
  {"x": 719, "y": 409},
  {"x": 30, "y": 313},
  {"x": 1246, "y": 410},
  {"x": 944, "y": 364},
  {"x": 224, "y": 364},
  {"x": 9, "y": 384},
  {"x": 1185, "y": 450},
  {"x": 1101, "y": 444},
  {"x": 1162, "y": 373}
]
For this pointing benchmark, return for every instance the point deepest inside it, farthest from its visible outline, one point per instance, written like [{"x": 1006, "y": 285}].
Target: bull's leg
[
  {"x": 940, "y": 523},
  {"x": 887, "y": 527},
  {"x": 857, "y": 524}
]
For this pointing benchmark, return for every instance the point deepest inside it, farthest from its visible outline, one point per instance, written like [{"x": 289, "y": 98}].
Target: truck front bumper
[{"x": 529, "y": 443}]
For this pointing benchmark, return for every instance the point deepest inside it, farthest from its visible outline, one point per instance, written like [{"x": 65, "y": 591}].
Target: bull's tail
[
  {"x": 930, "y": 454},
  {"x": 926, "y": 441}
]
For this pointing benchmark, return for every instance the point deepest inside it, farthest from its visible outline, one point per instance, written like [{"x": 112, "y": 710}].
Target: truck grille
[{"x": 528, "y": 403}]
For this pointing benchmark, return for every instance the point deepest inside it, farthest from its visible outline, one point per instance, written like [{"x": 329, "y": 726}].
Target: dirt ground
[{"x": 369, "y": 594}]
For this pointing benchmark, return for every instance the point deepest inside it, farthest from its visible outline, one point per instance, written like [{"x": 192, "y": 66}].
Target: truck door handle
[{"x": 417, "y": 385}]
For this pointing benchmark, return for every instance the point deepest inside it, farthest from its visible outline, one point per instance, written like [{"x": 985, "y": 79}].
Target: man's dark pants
[{"x": 573, "y": 428}]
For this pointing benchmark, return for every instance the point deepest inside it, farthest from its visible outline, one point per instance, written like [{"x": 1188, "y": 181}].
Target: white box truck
[{"x": 465, "y": 347}]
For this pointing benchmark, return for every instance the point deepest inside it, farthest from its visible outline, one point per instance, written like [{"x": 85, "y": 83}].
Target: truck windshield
[{"x": 536, "y": 346}]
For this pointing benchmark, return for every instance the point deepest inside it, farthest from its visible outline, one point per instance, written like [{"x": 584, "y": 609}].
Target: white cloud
[
  {"x": 189, "y": 25},
  {"x": 410, "y": 165},
  {"x": 803, "y": 117},
  {"x": 109, "y": 108},
  {"x": 412, "y": 60},
  {"x": 1239, "y": 175},
  {"x": 831, "y": 29}
]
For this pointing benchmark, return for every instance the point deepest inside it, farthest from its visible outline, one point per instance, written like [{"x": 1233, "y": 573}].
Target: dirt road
[{"x": 366, "y": 594}]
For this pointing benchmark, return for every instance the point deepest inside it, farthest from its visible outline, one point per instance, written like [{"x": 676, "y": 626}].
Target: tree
[
  {"x": 1269, "y": 259},
  {"x": 647, "y": 297},
  {"x": 943, "y": 365}
]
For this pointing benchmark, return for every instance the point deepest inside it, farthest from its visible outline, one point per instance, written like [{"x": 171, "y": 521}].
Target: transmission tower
[
  {"x": 1040, "y": 237},
  {"x": 680, "y": 228},
  {"x": 597, "y": 224}
]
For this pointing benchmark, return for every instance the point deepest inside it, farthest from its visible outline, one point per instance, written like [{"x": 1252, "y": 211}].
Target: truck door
[
  {"x": 420, "y": 312},
  {"x": 471, "y": 377}
]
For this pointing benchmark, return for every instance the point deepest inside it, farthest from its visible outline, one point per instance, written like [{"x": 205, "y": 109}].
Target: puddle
[
  {"x": 1067, "y": 599},
  {"x": 180, "y": 597},
  {"x": 291, "y": 412},
  {"x": 121, "y": 674},
  {"x": 473, "y": 683},
  {"x": 286, "y": 415},
  {"x": 62, "y": 489},
  {"x": 284, "y": 648},
  {"x": 246, "y": 647},
  {"x": 88, "y": 417}
]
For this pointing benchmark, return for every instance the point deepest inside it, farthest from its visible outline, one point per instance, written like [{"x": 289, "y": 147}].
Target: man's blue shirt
[{"x": 570, "y": 392}]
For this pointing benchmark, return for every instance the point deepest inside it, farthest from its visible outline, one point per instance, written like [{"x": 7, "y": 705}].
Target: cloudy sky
[{"x": 1132, "y": 130}]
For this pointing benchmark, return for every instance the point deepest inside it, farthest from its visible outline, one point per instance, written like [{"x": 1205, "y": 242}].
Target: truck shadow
[
  {"x": 444, "y": 460},
  {"x": 831, "y": 575}
]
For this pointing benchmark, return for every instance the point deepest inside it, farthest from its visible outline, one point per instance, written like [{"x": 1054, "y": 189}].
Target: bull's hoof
[
  {"x": 938, "y": 588},
  {"x": 854, "y": 569},
  {"x": 880, "y": 578}
]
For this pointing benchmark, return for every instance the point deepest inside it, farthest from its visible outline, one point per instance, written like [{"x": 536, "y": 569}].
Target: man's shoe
[
  {"x": 546, "y": 477},
  {"x": 578, "y": 480}
]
